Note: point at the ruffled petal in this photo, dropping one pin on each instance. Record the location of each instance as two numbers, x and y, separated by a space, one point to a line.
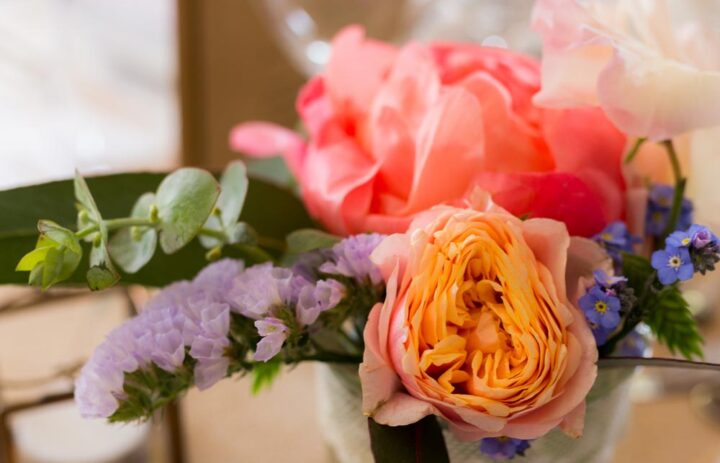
264 140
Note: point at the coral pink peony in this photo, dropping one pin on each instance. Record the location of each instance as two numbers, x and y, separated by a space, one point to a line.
393 132
480 326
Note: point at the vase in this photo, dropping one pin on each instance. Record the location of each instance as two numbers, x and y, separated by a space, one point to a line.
345 429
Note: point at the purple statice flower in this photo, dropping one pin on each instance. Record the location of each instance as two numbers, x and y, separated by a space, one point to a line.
274 333
153 336
315 299
263 287
616 239
660 201
307 264
216 280
210 344
351 258
184 315
503 448
672 264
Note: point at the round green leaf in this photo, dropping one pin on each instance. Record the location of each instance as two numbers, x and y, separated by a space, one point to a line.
133 247
184 201
234 186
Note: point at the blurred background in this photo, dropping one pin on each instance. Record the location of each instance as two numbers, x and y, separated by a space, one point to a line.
104 86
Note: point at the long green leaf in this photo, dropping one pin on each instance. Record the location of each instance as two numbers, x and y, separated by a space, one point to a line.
421 442
272 211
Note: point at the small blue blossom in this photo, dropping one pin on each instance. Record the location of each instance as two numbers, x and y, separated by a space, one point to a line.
503 448
658 212
601 308
616 239
606 281
633 345
701 237
673 264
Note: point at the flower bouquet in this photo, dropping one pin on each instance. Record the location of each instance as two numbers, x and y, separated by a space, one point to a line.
479 254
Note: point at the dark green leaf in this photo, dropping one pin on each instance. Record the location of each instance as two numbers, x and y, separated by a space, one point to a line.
672 322
637 270
184 200
264 373
308 240
421 442
273 212
132 248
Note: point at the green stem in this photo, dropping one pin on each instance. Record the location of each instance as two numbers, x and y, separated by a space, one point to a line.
114 224
679 189
634 150
217 234
271 243
89 230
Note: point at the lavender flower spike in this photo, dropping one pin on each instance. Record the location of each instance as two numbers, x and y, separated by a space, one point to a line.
315 299
261 288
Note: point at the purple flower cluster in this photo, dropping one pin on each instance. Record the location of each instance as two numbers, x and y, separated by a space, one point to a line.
193 318
351 258
186 316
280 301
503 448
616 239
686 252
603 303
658 212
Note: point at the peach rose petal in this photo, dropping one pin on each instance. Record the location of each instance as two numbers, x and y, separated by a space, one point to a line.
263 140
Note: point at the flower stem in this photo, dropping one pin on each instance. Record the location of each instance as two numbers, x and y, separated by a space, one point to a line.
680 183
331 357
634 150
114 224
217 234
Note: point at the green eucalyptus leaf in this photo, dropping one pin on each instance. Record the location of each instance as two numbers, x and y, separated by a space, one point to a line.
233 190
56 256
133 247
309 239
184 201
102 273
273 212
85 198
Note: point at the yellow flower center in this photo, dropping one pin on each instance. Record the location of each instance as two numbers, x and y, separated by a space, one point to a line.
606 236
601 307
685 241
484 318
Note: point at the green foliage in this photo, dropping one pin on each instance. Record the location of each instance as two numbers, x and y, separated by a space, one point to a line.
671 320
55 257
150 389
234 187
273 211
133 247
102 273
638 271
184 201
309 239
420 442
264 373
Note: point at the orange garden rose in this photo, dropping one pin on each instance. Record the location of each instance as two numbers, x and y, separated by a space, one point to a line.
480 326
